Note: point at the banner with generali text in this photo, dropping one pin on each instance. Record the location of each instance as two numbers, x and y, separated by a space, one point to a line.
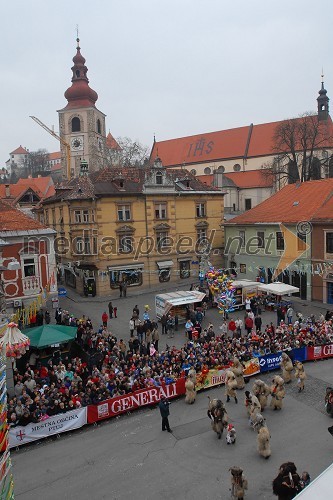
319 352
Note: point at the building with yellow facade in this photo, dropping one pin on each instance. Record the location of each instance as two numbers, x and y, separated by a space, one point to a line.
142 226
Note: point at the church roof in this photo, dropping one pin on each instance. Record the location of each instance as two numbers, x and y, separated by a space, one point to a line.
111 142
19 151
242 142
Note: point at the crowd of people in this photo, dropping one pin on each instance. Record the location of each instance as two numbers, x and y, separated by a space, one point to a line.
110 366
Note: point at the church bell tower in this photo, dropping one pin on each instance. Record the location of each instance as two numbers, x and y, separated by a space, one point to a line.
81 124
323 100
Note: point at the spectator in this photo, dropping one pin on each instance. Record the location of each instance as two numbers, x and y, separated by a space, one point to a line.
105 319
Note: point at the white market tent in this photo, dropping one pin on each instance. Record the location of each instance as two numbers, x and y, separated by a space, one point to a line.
181 298
244 283
319 488
278 288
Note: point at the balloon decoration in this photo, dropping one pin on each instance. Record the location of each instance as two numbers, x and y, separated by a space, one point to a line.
13 343
222 289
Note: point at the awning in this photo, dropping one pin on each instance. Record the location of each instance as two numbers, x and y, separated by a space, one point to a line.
165 264
278 288
180 298
48 335
244 283
126 268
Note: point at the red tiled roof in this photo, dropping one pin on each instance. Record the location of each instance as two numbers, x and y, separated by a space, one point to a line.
56 167
206 179
42 186
249 141
19 151
293 203
111 142
12 219
325 212
55 156
251 178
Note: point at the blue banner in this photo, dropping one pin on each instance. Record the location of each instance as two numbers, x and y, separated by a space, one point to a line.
299 354
270 362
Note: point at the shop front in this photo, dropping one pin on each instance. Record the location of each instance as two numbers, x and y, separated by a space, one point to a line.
164 270
132 274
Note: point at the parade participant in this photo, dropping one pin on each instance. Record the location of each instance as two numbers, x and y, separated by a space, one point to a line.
237 368
263 440
287 483
277 392
238 483
190 394
218 416
300 375
165 412
231 434
262 391
230 386
286 367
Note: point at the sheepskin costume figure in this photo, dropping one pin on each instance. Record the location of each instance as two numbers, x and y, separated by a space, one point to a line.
237 368
286 366
231 434
238 483
230 386
190 391
252 405
263 442
192 374
262 391
277 392
300 375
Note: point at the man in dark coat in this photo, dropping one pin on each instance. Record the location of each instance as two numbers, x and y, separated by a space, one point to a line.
164 410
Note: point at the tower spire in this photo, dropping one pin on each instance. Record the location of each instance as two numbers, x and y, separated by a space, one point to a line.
323 101
80 94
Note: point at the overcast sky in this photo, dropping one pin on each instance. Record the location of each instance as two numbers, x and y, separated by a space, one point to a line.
169 67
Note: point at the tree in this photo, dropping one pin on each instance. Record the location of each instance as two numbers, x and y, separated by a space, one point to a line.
130 154
301 149
38 162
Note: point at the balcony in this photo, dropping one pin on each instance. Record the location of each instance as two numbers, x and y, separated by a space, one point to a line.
31 285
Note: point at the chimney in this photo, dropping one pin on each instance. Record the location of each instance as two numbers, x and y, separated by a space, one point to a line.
7 190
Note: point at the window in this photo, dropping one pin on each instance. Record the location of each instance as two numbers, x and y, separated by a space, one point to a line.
242 238
184 269
329 242
193 171
125 243
79 245
201 235
162 239
201 209
76 125
159 178
301 241
53 217
160 211
98 126
242 268
237 167
85 215
29 268
279 240
46 217
207 171
124 212
77 216
261 239
221 169
248 203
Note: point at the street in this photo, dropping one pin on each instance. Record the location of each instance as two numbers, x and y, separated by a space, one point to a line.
130 457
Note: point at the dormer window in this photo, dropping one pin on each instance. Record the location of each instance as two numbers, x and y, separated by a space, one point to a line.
121 184
187 184
159 178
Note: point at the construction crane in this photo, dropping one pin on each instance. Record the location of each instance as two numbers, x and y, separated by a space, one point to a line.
67 146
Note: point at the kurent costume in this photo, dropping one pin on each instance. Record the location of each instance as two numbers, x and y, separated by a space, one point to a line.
277 392
190 391
300 375
231 434
230 386
262 391
238 483
287 483
254 406
218 415
237 368
263 437
286 367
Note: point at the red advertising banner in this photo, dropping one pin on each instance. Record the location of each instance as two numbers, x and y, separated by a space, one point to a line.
143 397
319 352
